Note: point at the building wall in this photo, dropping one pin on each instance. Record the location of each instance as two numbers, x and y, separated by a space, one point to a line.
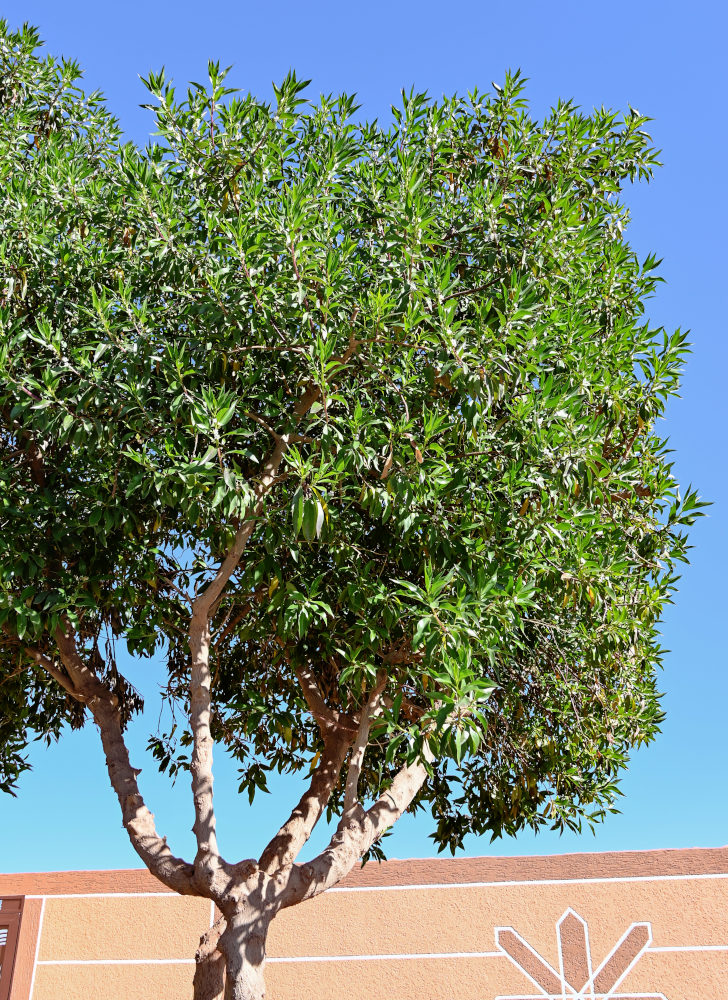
627 926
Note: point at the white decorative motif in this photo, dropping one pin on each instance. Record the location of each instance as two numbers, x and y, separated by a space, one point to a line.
575 978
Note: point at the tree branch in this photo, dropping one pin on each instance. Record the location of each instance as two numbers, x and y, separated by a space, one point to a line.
268 476
369 713
201 762
137 819
285 847
85 682
326 718
338 731
470 291
396 800
207 860
264 424
50 667
355 835
401 653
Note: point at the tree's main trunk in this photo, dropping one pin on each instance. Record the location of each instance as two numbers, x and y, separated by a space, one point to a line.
243 945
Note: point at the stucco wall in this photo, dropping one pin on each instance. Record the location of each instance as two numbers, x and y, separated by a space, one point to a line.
584 927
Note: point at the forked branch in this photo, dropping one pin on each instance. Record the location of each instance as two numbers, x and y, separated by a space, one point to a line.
356 834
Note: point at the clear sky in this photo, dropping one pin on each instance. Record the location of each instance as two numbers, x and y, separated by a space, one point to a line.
667 59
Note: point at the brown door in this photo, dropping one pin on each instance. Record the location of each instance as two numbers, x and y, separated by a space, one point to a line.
11 907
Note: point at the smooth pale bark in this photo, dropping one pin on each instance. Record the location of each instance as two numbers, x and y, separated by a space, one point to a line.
208 863
250 894
201 761
370 711
327 718
243 942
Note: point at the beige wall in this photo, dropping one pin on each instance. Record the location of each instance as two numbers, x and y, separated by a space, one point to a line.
433 930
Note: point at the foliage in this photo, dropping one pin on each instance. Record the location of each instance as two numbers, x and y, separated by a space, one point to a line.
477 502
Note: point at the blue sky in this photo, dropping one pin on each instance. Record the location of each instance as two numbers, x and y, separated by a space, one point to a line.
664 58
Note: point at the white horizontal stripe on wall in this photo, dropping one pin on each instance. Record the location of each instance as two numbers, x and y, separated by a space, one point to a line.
521 882
118 961
597 996
513 883
691 947
107 895
388 958
444 955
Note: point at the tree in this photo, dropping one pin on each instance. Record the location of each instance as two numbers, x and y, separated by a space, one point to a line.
353 423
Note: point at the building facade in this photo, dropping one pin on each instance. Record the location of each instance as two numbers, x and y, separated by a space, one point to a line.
630 926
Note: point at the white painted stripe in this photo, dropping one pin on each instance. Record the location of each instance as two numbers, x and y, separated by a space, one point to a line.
524 944
635 959
597 996
444 955
37 950
517 883
460 954
512 883
118 961
387 958
691 947
302 958
105 895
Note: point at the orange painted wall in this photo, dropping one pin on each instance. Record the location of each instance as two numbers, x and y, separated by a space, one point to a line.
471 929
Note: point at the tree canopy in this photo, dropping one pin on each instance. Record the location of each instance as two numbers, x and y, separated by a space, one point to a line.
353 423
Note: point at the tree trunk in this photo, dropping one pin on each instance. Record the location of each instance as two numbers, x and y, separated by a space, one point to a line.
209 981
243 945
